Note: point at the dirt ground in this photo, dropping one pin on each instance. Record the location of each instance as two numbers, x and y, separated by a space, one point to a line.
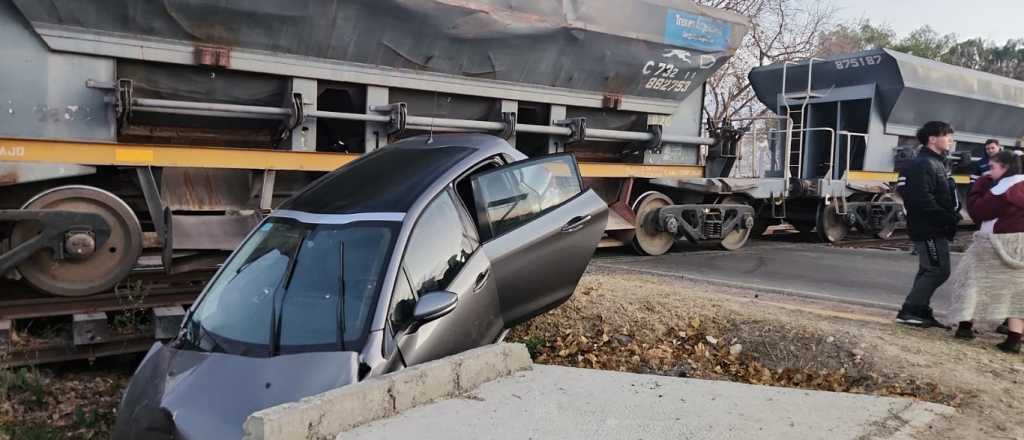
75 400
621 320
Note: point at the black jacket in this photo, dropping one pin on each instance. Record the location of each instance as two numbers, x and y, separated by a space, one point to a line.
983 166
929 194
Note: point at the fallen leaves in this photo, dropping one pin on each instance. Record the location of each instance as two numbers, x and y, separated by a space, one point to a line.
36 403
645 339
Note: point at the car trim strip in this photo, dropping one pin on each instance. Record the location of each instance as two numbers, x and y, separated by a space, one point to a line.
339 219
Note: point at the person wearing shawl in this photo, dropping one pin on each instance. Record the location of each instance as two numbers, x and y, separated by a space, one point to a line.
989 281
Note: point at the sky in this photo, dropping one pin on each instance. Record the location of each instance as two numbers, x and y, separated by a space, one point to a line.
997 20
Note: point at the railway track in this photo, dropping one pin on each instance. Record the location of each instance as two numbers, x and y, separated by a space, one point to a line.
899 242
39 329
110 302
895 243
903 243
61 351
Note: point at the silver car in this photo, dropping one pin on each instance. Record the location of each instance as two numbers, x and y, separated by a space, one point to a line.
421 249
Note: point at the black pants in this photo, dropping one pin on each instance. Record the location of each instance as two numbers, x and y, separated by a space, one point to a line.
934 270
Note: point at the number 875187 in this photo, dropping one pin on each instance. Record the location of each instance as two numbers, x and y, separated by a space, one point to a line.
853 63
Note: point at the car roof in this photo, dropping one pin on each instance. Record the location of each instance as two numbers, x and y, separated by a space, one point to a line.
393 178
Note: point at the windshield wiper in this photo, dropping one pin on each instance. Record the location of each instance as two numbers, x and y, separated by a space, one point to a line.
275 324
195 339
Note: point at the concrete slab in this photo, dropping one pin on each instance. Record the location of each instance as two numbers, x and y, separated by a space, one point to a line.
324 415
90 328
859 276
167 321
568 403
5 333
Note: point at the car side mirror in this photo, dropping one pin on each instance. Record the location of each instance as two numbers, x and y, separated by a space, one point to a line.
434 305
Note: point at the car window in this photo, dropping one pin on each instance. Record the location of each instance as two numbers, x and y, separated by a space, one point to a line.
246 286
310 308
298 265
513 195
402 304
464 187
470 233
439 246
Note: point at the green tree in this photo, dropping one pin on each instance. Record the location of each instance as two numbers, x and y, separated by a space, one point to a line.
926 43
972 54
1007 60
846 38
975 53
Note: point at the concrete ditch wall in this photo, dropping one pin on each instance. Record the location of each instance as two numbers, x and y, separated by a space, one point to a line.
324 416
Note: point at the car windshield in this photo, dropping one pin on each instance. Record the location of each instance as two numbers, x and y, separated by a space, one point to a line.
281 291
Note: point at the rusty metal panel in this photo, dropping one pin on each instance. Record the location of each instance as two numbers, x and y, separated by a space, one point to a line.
207 189
211 232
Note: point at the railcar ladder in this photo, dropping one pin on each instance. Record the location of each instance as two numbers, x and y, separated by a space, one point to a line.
797 116
796 142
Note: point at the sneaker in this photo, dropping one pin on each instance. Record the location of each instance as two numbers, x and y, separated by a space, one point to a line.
907 318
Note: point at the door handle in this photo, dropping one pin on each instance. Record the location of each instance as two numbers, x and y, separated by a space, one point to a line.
576 223
481 280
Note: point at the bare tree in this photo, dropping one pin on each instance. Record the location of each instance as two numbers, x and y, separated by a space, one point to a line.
783 30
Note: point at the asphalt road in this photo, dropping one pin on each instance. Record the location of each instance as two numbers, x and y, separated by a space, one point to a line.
871 276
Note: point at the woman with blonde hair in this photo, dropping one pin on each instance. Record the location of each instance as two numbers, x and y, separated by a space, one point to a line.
989 281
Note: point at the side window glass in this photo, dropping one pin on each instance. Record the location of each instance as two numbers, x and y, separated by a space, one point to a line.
470 236
513 195
438 247
464 187
402 303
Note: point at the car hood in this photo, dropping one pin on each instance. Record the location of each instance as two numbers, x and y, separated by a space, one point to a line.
183 394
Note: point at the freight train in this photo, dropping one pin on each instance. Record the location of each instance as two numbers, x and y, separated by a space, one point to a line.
854 118
142 136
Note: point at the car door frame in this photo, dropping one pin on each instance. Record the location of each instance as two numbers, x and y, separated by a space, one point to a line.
571 229
473 281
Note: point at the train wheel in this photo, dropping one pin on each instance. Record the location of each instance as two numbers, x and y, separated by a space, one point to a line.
887 229
739 236
830 225
647 239
94 268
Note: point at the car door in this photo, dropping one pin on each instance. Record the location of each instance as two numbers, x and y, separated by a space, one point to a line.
540 229
443 254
